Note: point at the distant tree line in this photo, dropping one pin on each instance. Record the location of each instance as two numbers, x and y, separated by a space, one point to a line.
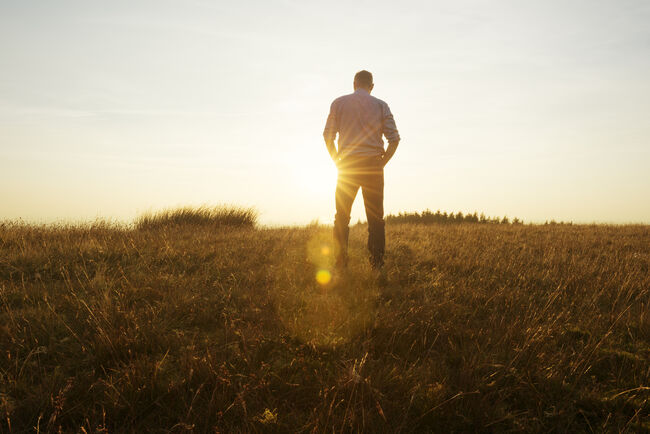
428 217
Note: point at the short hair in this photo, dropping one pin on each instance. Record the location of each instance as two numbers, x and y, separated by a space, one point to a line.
363 78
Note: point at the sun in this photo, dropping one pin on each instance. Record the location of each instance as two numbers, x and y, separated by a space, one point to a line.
314 172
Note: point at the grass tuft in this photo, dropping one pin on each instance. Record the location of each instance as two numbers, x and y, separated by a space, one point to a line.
203 216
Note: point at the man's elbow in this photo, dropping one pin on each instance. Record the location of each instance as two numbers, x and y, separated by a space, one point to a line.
329 137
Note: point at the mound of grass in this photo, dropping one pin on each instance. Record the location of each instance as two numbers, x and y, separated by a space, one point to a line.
203 216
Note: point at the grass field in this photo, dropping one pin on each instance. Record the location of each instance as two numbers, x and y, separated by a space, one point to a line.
218 328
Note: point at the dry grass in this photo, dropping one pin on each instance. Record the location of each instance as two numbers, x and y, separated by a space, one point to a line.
218 328
205 216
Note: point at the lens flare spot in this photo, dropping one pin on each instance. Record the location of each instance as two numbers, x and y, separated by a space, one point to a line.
323 277
325 251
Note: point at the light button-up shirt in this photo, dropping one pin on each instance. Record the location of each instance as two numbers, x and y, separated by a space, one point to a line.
360 120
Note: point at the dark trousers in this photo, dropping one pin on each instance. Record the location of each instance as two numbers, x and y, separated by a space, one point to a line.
366 173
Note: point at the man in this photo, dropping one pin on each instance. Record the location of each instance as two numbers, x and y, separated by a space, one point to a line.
360 121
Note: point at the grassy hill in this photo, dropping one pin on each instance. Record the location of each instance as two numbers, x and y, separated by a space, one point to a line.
174 327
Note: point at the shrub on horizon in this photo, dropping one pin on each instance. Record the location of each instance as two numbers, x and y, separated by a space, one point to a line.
203 216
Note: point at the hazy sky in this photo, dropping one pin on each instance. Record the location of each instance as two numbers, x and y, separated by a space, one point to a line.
532 109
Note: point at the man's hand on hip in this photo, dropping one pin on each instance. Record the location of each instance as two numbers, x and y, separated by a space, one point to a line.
334 155
388 154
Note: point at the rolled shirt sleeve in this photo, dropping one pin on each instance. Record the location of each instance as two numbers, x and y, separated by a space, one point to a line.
389 129
331 126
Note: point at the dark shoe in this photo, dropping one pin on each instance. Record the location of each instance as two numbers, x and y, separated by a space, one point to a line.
377 263
380 276
341 263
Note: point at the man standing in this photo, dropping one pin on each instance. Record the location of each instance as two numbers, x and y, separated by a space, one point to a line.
360 121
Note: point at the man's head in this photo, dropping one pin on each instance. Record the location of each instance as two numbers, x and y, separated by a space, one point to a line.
363 80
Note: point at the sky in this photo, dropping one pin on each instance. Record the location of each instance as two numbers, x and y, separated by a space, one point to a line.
530 109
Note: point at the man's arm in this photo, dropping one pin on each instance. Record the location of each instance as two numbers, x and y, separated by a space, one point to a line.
390 151
389 129
331 148
329 134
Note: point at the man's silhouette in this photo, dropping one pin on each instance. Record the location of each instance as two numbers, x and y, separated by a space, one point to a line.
360 121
